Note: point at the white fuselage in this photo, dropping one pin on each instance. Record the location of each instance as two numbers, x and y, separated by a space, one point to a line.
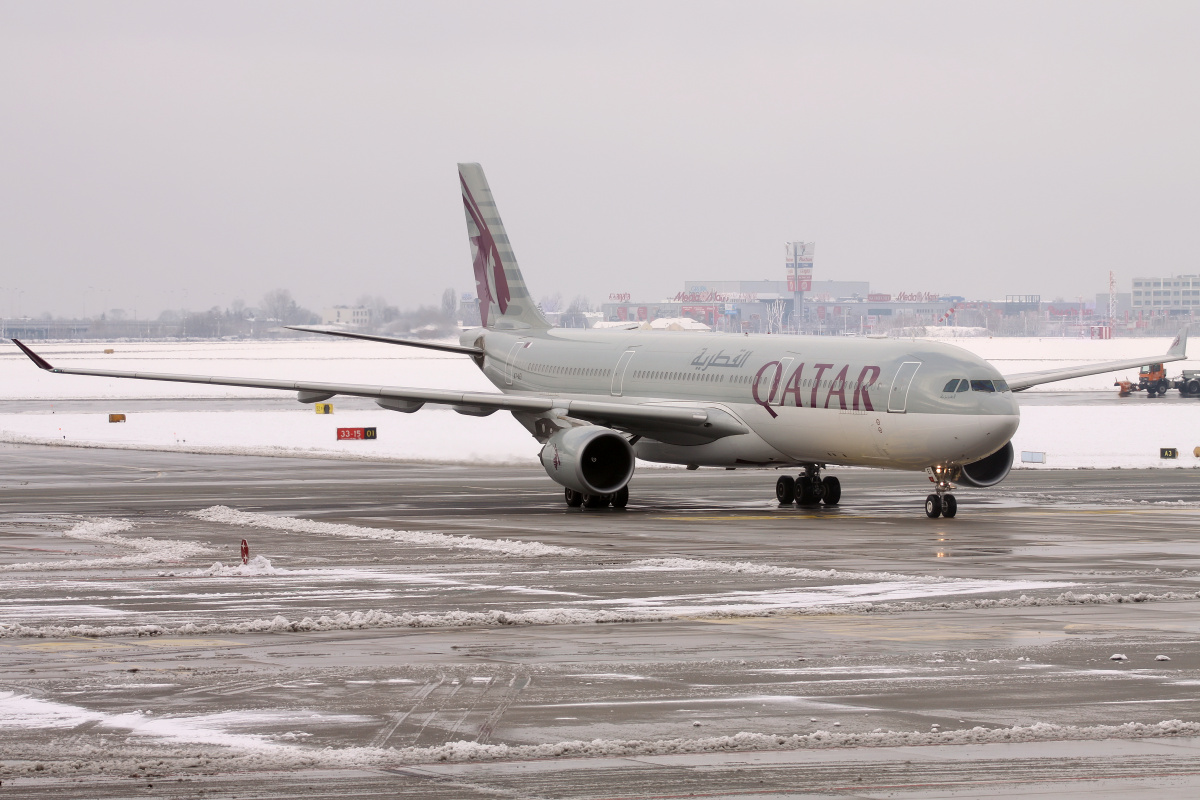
849 401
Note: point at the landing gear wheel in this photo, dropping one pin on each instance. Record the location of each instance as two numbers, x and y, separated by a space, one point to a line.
574 498
949 506
620 499
785 490
833 490
595 500
805 496
933 506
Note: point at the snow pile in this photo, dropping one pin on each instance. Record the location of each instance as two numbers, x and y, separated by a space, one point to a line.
1038 732
205 743
212 729
343 621
505 547
259 565
944 332
749 568
374 618
103 531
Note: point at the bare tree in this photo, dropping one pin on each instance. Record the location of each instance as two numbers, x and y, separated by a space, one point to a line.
450 304
574 317
278 304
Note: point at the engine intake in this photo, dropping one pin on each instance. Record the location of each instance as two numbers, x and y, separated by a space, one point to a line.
590 459
988 471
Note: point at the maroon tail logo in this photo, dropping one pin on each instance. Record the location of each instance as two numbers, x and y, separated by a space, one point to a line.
487 256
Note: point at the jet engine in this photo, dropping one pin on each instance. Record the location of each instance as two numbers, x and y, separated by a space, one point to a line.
988 471
591 459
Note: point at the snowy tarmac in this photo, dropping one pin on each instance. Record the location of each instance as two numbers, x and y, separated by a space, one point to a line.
442 631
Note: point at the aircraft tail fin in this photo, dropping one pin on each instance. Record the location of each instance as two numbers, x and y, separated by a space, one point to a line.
504 300
1179 346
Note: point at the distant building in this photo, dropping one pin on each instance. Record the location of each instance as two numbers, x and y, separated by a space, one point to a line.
356 316
1176 294
1124 305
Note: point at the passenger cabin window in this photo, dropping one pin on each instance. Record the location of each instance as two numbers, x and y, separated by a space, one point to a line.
982 386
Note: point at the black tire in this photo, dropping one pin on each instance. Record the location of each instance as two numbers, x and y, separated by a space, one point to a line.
949 506
805 496
933 506
595 500
1151 391
1193 387
833 490
785 490
1163 385
574 498
620 498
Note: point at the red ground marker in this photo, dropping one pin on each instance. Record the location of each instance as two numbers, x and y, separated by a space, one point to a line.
245 552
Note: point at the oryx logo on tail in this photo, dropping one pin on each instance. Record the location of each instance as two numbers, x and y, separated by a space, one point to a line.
487 259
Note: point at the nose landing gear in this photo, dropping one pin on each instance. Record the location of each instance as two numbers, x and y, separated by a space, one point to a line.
808 488
941 503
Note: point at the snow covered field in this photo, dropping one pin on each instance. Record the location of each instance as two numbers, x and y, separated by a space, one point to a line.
1126 433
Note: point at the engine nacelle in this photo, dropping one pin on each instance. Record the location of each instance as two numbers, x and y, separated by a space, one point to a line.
988 471
589 459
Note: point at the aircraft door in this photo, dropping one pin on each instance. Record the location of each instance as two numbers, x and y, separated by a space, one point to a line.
898 396
618 379
512 361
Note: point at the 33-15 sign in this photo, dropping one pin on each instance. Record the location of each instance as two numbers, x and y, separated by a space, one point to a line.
355 433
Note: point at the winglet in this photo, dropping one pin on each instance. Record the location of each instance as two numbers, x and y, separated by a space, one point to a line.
1179 346
34 357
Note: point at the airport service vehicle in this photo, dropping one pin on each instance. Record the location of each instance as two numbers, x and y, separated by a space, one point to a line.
1153 380
597 400
1188 384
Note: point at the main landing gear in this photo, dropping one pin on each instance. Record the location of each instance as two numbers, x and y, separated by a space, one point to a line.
941 503
808 488
618 499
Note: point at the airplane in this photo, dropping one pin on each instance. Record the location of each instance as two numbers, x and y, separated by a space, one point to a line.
597 400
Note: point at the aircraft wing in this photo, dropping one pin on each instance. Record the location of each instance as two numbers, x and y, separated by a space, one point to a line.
445 348
674 424
1177 352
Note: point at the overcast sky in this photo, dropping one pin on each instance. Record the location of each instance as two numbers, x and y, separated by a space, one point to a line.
187 154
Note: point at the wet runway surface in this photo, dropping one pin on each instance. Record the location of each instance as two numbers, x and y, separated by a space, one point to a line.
458 632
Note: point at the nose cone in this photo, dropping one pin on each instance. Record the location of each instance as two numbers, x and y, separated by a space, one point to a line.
997 429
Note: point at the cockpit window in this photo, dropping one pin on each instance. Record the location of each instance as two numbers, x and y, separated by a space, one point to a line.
952 386
963 385
982 386
1001 386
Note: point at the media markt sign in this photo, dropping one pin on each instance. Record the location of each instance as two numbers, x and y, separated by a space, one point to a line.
799 265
